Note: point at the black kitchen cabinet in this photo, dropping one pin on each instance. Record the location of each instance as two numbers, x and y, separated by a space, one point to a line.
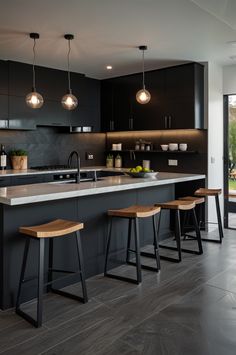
25 180
20 78
52 114
177 100
3 107
5 181
86 116
4 77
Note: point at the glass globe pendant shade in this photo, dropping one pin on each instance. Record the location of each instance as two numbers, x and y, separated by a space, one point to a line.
143 96
34 100
69 101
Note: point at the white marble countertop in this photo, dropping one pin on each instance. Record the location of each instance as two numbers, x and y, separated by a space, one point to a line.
11 172
19 195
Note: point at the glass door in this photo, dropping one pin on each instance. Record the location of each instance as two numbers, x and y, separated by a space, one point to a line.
230 161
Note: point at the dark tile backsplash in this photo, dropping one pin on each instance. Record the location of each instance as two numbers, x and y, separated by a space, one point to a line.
48 145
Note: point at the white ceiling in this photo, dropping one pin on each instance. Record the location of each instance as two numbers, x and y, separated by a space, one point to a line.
108 32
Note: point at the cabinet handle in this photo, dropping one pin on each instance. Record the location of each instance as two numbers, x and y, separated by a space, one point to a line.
131 123
111 125
169 122
165 118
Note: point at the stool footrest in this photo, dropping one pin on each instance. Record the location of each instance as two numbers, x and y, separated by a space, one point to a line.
167 258
145 267
122 278
69 295
182 249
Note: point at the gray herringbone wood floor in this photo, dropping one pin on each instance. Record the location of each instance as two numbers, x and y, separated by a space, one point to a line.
188 308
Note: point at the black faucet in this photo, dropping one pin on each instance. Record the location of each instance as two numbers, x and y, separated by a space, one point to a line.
77 176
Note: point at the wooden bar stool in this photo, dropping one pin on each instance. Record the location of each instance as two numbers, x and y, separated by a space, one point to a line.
198 202
202 192
133 214
178 206
56 228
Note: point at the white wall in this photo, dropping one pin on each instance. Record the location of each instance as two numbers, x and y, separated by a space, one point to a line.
229 79
215 134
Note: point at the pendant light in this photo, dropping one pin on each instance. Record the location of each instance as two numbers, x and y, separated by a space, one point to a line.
34 99
69 101
143 96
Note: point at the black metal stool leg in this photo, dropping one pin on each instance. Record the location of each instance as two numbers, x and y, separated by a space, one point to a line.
178 241
178 233
108 246
22 275
40 283
129 240
198 233
137 248
81 266
50 263
156 242
221 234
183 225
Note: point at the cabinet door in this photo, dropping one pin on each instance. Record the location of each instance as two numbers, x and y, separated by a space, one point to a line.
5 181
52 114
151 115
179 82
121 105
85 116
87 90
20 79
107 106
19 110
3 107
51 83
25 180
181 114
4 77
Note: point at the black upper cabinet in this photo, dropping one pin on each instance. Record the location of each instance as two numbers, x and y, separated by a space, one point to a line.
3 107
52 84
4 77
177 99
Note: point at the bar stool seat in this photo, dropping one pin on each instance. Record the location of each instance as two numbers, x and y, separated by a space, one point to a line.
177 206
133 214
207 192
196 200
56 228
135 211
203 192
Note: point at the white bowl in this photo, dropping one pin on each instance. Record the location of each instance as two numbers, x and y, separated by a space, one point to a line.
173 146
164 147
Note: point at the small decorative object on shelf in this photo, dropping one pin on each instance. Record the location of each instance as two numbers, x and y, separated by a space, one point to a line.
3 156
109 161
19 159
183 147
118 161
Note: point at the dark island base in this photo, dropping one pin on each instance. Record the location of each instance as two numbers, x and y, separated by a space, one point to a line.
92 211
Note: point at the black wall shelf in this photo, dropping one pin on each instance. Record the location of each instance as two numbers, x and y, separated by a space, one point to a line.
154 151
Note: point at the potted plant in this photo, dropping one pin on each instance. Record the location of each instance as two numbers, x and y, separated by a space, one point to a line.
109 161
19 159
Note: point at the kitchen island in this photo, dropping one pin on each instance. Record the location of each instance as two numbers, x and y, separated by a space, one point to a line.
87 202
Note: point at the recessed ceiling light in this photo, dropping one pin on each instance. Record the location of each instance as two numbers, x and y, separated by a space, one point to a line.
109 67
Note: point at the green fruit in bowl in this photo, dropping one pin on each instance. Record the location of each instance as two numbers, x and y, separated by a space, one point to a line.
146 170
138 168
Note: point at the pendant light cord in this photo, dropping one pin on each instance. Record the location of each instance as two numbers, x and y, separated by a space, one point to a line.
34 56
143 72
68 65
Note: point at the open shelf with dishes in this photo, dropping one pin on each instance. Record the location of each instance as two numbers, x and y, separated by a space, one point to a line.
152 151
